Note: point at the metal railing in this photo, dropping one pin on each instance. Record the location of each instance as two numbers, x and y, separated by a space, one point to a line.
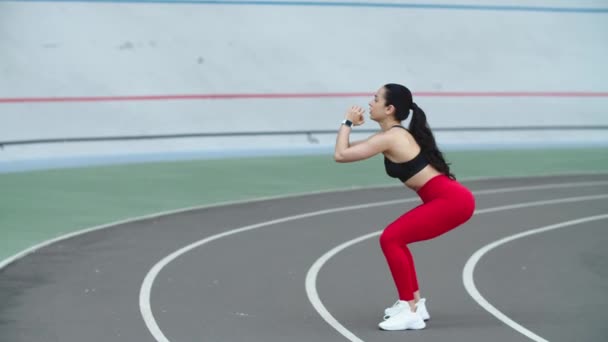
308 133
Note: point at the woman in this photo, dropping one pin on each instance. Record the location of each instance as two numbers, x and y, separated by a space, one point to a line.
412 156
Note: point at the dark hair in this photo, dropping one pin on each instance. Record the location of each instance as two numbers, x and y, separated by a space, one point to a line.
401 98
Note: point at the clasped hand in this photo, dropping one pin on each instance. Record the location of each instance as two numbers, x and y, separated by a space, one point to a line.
355 115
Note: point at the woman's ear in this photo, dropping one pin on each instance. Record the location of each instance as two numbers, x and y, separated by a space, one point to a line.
390 109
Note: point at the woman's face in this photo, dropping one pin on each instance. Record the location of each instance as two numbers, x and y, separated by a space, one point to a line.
377 107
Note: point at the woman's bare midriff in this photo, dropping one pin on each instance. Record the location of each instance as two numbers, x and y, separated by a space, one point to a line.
418 180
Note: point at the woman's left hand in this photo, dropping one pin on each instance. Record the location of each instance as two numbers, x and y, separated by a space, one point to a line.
355 115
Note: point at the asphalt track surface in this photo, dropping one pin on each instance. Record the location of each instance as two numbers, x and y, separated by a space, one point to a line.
309 268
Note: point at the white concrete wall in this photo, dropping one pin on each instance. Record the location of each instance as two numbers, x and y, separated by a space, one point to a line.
57 49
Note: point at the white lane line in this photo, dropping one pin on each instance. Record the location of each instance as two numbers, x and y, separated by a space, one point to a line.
7 261
146 287
311 276
469 268
48 242
313 295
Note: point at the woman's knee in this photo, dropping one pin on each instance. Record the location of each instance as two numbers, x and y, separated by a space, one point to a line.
387 239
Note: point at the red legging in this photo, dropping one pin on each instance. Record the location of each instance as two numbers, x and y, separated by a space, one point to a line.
446 205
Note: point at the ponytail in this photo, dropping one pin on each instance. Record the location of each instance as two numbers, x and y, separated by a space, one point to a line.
424 137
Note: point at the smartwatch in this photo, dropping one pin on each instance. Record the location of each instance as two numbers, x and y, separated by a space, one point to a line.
347 123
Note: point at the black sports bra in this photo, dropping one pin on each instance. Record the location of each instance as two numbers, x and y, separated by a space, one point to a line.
406 170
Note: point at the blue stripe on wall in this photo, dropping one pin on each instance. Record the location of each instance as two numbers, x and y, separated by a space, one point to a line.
464 7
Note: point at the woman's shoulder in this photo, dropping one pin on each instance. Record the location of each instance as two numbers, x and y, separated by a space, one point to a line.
399 131
401 137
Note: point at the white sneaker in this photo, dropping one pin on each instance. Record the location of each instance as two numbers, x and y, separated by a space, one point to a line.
395 309
401 304
421 309
404 320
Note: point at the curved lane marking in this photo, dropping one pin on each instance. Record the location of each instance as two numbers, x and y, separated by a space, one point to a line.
469 268
146 287
23 253
311 276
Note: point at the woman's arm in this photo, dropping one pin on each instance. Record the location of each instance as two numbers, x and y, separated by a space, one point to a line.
355 143
345 152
